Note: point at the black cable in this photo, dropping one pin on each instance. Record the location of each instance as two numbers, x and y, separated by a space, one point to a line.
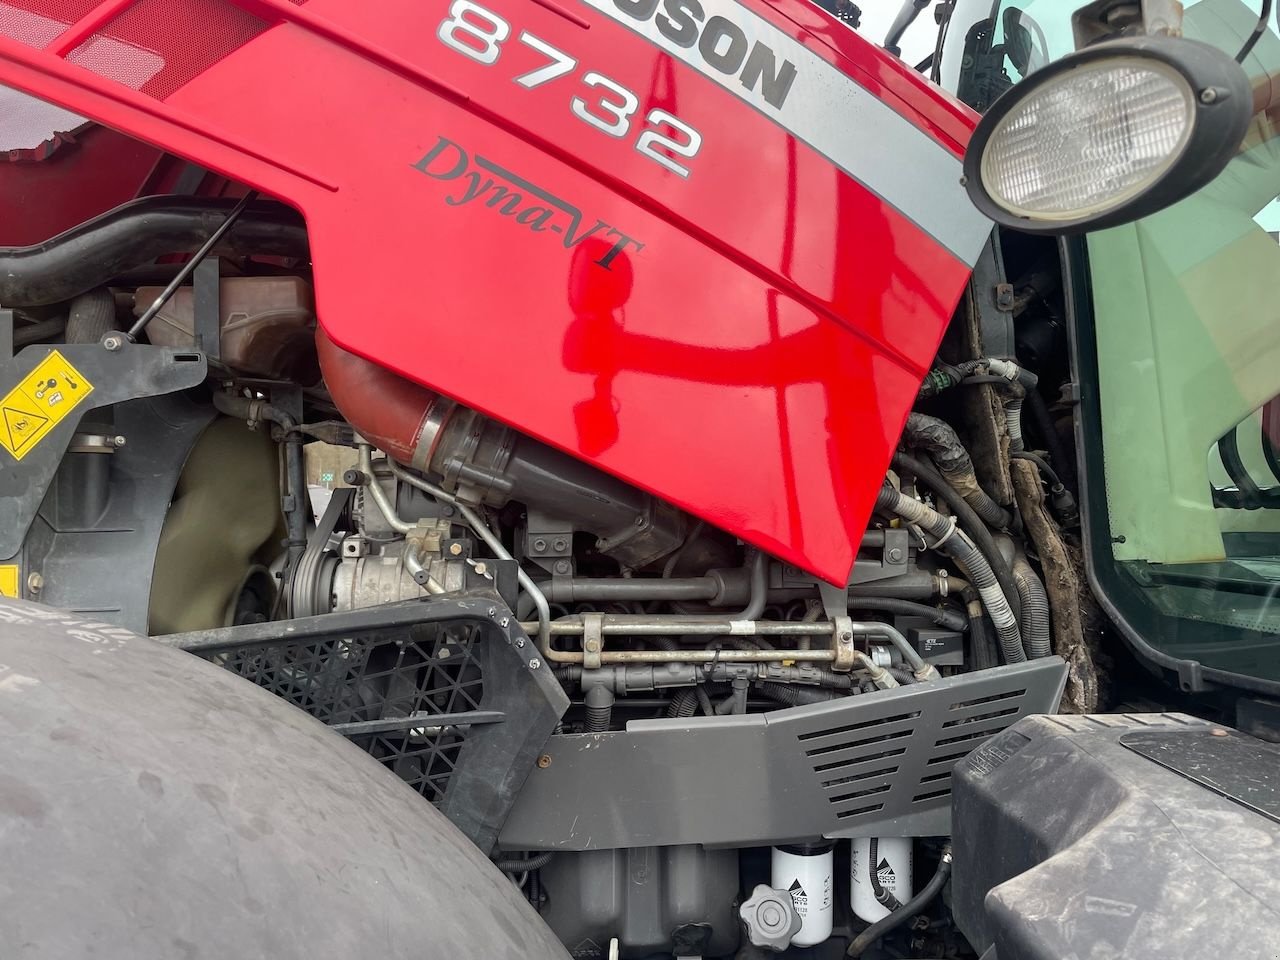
883 897
969 522
1043 467
912 907
1259 29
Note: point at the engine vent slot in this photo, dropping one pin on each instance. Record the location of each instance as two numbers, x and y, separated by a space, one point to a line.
855 766
158 46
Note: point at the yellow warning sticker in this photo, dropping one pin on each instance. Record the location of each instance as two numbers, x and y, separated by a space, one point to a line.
9 580
39 403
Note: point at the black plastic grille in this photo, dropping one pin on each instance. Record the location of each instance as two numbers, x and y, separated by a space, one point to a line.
348 681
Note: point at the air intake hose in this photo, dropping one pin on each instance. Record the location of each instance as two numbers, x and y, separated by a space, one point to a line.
91 254
482 461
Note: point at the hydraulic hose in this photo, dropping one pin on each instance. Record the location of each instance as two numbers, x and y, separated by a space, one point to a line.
970 523
955 544
939 439
1035 610
91 254
938 615
908 910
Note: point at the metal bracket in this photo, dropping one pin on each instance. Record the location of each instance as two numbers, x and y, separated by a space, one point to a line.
1115 18
842 644
207 299
592 640
118 370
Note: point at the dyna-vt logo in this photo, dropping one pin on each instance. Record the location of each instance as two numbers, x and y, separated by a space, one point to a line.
482 182
721 44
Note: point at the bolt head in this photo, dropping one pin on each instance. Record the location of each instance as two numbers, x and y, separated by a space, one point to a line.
539 545
455 549
118 441
1218 732
35 583
544 761
1208 95
560 545
593 645
535 663
519 641
562 566
112 342
895 555
493 611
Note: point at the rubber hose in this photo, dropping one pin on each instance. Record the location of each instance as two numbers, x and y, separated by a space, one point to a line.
704 701
796 696
1035 610
955 544
599 703
969 522
94 252
939 438
521 866
938 615
982 651
908 910
91 317
1063 462
883 897
30 333
903 676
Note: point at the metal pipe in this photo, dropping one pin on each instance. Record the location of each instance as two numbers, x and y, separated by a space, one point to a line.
922 670
574 589
484 533
379 496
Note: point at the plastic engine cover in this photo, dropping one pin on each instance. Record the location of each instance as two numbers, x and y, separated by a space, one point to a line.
707 245
1130 836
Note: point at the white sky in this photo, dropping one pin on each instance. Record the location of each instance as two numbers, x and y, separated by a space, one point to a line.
918 43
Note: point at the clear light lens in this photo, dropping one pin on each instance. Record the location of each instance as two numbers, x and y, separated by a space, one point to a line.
1088 140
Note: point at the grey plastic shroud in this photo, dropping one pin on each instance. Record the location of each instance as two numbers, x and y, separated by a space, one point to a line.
876 764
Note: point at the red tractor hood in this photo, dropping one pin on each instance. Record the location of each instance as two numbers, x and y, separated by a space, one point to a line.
707 245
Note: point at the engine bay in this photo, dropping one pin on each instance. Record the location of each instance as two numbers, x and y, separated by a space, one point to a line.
597 657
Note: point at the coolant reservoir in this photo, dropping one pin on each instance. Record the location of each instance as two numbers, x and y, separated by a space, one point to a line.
267 324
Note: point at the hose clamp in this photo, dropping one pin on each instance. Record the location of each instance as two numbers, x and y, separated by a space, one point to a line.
592 640
844 656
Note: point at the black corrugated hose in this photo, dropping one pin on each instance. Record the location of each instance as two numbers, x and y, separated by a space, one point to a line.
1035 610
515 865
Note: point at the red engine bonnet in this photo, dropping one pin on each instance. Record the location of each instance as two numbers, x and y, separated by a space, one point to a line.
740 329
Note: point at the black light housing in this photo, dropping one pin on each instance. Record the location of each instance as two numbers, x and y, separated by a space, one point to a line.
1108 134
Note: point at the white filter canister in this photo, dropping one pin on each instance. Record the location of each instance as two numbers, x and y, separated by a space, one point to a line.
893 870
807 872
